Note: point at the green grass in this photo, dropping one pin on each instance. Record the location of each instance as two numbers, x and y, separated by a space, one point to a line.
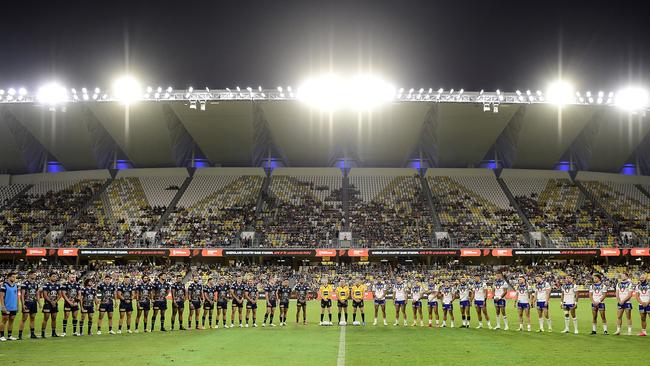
314 345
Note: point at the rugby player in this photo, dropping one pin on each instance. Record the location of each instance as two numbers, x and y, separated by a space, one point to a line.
88 302
251 295
448 294
623 296
271 295
70 293
284 294
479 298
541 299
399 298
432 302
125 294
597 295
302 290
179 295
195 294
342 296
144 296
106 291
222 301
237 293
643 297
500 291
8 306
464 301
209 297
29 295
417 292
159 291
569 304
379 296
524 293
51 294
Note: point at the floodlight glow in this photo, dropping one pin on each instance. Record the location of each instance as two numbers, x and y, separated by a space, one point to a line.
323 92
126 89
367 91
632 98
52 94
560 93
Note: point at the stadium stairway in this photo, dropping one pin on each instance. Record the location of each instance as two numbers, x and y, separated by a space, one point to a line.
84 208
17 196
595 201
172 205
264 193
515 205
643 190
434 213
345 200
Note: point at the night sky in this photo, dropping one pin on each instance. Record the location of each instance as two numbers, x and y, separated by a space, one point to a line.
450 44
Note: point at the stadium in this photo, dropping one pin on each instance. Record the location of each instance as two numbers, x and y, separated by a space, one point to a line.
343 219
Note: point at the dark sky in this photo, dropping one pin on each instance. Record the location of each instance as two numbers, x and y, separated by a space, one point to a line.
451 44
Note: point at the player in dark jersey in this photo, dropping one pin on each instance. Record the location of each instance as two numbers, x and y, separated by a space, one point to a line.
302 291
106 291
209 297
143 293
179 295
222 301
125 294
251 296
8 306
88 302
70 293
29 295
51 294
195 295
237 293
284 294
159 291
271 292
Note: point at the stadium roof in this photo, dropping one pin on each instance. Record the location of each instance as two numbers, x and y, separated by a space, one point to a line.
236 131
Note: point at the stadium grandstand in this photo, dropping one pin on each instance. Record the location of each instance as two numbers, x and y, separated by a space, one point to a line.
258 169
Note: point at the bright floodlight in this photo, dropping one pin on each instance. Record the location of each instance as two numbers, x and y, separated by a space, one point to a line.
127 89
324 92
367 91
52 94
560 92
632 98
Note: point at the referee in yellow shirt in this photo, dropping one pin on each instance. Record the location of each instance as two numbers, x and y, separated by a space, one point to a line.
325 291
358 291
343 294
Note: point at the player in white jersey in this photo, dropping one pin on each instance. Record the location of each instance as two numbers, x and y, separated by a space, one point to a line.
597 295
432 302
623 296
643 297
500 292
447 294
399 297
417 292
379 296
524 293
569 304
464 291
542 296
479 298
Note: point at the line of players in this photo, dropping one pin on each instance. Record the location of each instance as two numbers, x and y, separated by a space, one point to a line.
150 298
535 296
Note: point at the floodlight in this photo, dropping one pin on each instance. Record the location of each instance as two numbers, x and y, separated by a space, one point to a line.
12 91
126 89
193 104
52 94
190 89
22 91
367 91
325 92
202 107
560 92
632 98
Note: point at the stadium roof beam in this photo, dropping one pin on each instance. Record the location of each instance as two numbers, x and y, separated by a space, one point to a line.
106 150
35 155
184 148
265 149
504 149
579 153
426 149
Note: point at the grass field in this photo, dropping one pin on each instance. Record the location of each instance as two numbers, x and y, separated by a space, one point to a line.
369 345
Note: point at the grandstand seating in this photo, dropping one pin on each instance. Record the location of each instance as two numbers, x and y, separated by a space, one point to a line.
9 191
389 211
556 207
214 211
47 206
475 211
303 211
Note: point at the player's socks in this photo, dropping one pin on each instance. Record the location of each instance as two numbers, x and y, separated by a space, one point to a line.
65 325
629 329
541 325
74 325
20 334
354 317
202 321
2 333
593 327
254 321
266 317
505 322
605 328
330 316
468 319
346 317
575 324
271 319
321 317
90 326
162 322
339 316
42 333
498 322
549 323
363 317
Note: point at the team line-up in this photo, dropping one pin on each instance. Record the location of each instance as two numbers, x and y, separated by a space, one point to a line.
150 297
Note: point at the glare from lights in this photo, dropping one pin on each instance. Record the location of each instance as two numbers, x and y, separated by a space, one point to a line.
632 99
12 91
52 94
323 92
361 92
560 93
126 89
367 91
22 91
